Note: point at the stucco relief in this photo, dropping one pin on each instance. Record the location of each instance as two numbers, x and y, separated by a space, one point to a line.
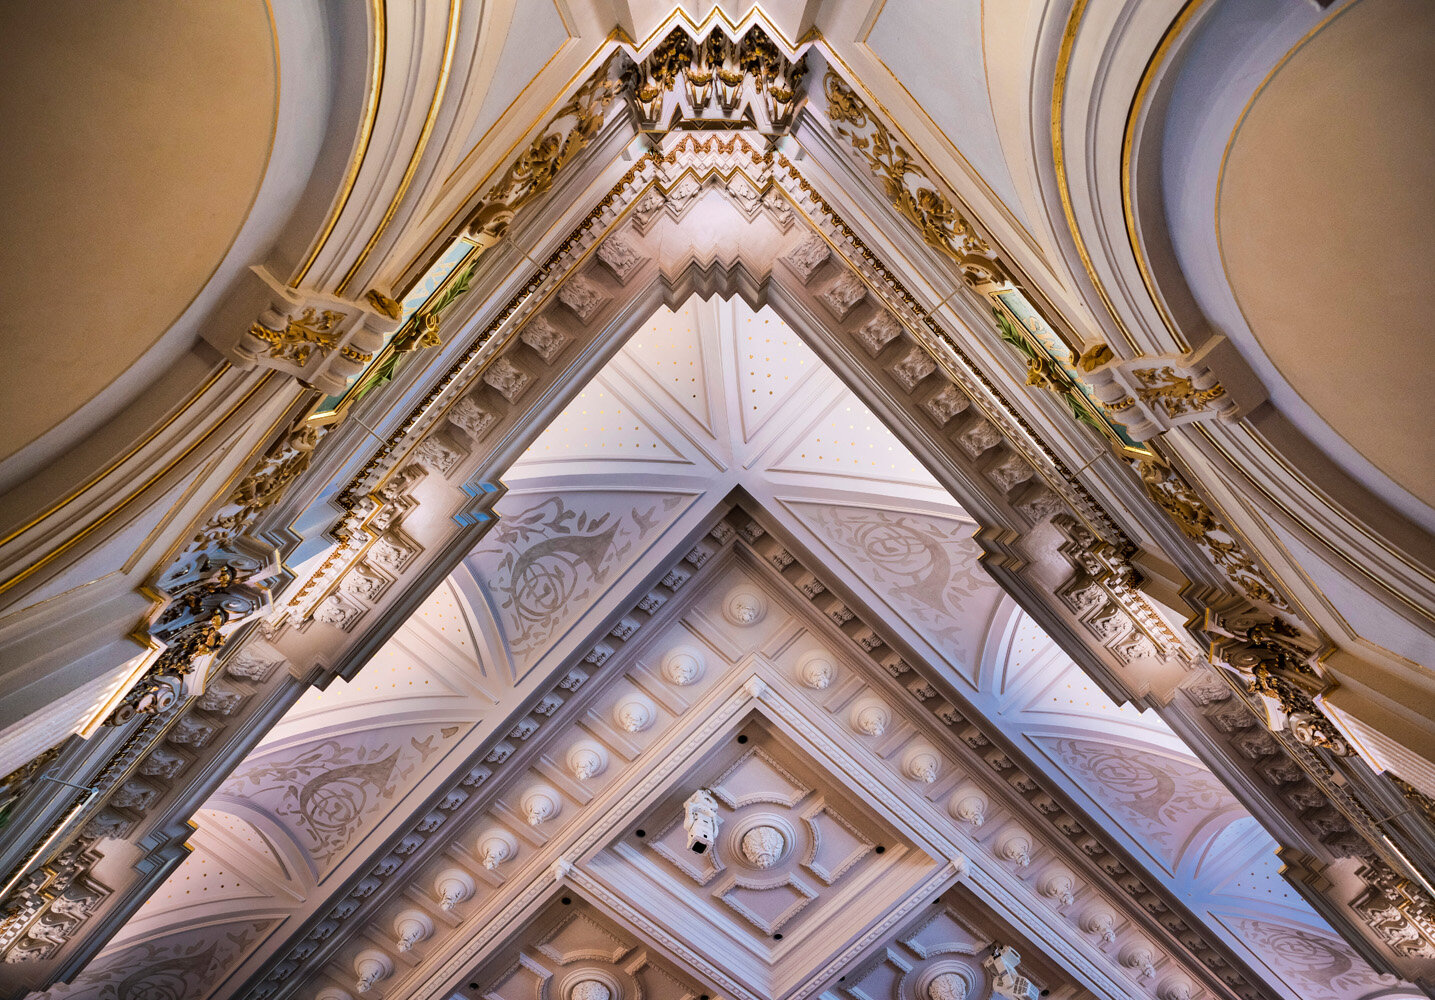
329 793
925 566
1162 800
582 958
550 555
1315 966
779 846
181 967
939 959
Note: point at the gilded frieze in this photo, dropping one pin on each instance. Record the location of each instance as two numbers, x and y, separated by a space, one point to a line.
567 134
908 187
1170 491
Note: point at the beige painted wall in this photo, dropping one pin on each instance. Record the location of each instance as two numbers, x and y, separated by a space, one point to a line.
137 134
1327 223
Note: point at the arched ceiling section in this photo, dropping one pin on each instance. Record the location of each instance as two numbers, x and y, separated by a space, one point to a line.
937 52
138 138
711 395
701 400
1293 169
1131 769
1324 216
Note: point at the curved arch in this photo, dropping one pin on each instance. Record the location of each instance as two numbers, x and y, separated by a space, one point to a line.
288 852
308 128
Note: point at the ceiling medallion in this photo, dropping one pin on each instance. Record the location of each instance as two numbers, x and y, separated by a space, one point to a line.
410 927
763 846
969 806
922 763
453 886
635 714
744 607
587 759
495 847
540 804
815 670
589 989
762 841
871 718
682 665
947 986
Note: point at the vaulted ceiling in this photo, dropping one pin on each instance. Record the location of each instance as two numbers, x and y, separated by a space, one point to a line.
863 439
749 662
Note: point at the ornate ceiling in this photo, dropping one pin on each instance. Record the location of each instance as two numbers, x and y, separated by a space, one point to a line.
743 503
796 660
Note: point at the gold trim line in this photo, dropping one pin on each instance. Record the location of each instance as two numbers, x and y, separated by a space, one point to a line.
366 133
449 45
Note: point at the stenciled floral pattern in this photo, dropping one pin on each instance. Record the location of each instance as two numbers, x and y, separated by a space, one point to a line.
181 967
1315 966
1163 800
546 559
925 566
327 792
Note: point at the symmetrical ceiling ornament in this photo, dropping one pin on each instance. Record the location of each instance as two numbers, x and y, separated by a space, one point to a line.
714 81
794 708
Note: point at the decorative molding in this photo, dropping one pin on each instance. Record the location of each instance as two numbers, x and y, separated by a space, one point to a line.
325 341
567 134
908 187
713 80
1195 519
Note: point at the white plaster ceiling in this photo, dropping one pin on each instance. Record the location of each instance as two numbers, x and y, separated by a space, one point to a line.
701 400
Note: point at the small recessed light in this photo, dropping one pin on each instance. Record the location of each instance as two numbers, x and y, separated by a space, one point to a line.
777 937
880 849
742 739
567 900
640 833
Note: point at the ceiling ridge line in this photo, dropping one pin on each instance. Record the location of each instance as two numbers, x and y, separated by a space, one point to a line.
778 562
489 757
743 690
615 805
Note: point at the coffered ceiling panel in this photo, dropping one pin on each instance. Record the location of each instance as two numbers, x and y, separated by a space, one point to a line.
845 799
